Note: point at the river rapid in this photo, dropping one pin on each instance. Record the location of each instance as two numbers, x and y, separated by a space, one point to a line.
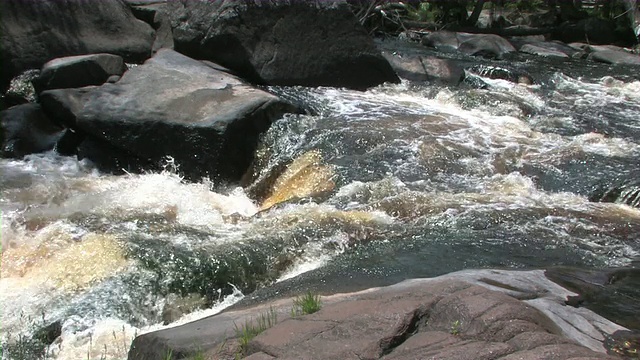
368 189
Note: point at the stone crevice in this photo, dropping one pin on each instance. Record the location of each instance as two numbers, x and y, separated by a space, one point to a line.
409 326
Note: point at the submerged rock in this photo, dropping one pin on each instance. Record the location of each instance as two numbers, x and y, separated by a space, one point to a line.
486 313
33 32
205 120
281 42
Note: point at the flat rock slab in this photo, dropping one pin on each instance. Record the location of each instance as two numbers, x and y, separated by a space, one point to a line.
540 50
616 57
207 120
479 314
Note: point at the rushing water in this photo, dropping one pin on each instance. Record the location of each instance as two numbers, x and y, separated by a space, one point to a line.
400 181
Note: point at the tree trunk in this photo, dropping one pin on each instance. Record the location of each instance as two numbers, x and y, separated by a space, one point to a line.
632 7
475 15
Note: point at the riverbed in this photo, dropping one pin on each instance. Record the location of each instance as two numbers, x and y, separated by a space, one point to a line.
366 189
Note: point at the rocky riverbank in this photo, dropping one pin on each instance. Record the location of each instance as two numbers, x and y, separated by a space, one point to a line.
472 314
132 86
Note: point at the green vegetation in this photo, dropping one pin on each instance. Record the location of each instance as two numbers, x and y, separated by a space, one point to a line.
456 326
309 303
251 329
30 345
395 16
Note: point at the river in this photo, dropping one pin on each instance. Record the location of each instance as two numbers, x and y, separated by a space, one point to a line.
368 189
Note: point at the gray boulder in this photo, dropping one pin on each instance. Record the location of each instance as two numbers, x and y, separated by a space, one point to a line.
156 14
487 45
550 49
207 120
33 32
615 56
541 51
281 42
474 314
25 129
425 68
441 40
79 71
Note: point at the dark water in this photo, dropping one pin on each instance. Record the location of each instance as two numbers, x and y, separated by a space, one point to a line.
369 189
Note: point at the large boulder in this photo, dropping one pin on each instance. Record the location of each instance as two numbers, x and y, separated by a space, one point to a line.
155 13
473 314
33 32
25 129
416 67
207 120
281 42
590 30
79 71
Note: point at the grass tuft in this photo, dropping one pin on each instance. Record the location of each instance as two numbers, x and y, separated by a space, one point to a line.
251 329
309 303
456 326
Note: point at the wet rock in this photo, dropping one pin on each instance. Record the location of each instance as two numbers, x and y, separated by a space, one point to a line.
624 343
469 314
33 32
486 45
26 129
613 293
206 120
21 90
441 40
548 49
425 68
625 192
176 306
497 72
79 71
281 42
49 333
615 56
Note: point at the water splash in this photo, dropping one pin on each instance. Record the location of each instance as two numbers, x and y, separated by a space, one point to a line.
306 176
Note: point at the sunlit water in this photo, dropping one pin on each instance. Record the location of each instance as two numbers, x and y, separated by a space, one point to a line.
396 182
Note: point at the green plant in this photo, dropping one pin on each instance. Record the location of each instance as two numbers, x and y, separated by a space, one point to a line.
309 303
455 327
30 344
169 355
199 356
251 328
